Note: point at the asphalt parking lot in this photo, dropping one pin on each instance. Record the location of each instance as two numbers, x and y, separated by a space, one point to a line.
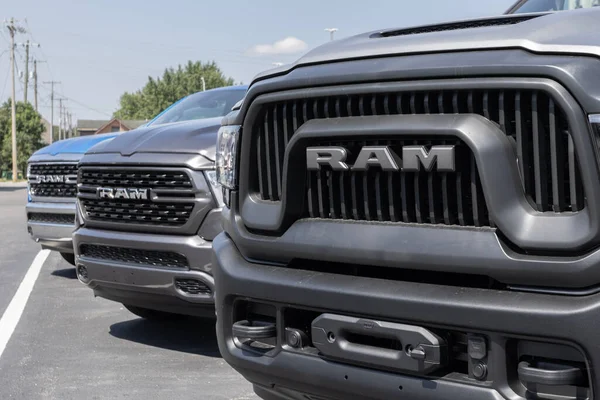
70 345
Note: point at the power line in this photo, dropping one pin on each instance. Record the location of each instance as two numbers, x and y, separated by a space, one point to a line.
84 105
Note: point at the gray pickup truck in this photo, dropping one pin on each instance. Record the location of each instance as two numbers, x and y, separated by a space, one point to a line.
149 207
414 213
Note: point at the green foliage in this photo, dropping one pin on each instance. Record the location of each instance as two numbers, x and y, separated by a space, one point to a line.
29 134
160 93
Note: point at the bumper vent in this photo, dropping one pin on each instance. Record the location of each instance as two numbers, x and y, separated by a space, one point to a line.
168 200
530 118
48 218
53 180
165 259
192 287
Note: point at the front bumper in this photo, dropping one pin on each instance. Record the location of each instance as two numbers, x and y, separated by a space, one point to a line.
53 236
504 317
148 286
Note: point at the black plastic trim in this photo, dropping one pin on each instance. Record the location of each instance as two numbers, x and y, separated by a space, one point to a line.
499 315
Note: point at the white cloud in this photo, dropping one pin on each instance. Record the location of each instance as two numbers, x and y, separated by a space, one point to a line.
289 45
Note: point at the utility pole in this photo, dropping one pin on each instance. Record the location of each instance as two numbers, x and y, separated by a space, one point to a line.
331 32
26 45
35 84
12 28
70 125
26 71
52 83
60 119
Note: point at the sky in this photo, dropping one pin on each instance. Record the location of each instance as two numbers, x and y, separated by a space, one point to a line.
99 49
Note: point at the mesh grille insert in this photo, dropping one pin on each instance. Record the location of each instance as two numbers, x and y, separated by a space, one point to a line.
48 218
167 259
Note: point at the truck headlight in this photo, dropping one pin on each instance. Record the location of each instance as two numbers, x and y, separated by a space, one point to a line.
211 177
595 121
227 142
28 185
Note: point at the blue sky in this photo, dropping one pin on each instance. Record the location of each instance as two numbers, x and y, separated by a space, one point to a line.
100 48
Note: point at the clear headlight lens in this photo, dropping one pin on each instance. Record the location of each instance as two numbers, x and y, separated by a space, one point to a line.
227 143
595 121
211 177
28 185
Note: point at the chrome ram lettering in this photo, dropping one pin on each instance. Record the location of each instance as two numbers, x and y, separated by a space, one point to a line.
122 193
413 157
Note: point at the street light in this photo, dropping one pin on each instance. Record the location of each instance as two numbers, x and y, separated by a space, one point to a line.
331 32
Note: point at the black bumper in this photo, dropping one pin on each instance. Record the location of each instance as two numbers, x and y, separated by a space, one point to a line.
501 316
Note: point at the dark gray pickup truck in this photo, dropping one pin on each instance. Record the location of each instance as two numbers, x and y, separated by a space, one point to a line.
148 208
415 214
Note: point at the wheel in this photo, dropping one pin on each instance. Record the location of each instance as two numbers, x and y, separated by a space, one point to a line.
69 257
149 314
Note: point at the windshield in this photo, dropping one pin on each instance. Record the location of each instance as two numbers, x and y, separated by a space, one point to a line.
533 6
201 105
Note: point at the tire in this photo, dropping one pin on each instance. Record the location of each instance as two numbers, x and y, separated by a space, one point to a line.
69 257
151 315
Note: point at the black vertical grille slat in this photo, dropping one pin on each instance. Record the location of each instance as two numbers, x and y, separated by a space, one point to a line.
366 196
313 198
278 151
432 194
321 193
531 120
539 150
474 198
286 127
344 200
356 196
333 200
459 199
268 154
572 172
262 179
501 111
557 161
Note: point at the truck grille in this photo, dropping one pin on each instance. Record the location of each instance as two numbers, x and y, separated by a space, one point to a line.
49 218
135 178
538 128
169 201
66 188
166 259
137 212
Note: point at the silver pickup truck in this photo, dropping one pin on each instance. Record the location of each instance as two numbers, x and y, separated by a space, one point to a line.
52 190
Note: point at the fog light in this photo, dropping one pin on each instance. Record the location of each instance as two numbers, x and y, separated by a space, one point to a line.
82 274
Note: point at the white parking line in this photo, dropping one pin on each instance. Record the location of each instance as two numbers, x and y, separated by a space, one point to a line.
13 312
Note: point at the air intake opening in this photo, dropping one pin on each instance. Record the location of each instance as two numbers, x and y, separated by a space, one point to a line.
399 274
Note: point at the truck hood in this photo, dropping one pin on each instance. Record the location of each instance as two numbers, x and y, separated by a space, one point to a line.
191 137
77 145
563 32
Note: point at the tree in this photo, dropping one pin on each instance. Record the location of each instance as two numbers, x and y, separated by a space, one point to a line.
160 93
29 134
